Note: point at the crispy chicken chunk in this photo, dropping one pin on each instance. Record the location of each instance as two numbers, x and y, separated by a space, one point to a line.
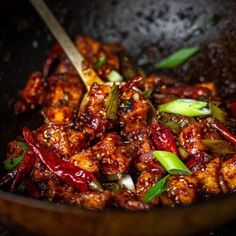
208 177
62 140
227 174
145 181
181 190
112 154
93 120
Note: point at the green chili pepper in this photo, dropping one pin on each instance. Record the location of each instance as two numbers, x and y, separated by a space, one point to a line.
11 163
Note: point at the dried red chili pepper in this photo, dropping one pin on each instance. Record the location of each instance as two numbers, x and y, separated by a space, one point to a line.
163 137
233 108
67 172
131 83
187 91
196 161
224 131
54 54
23 169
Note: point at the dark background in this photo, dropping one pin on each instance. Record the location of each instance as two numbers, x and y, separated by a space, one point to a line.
149 30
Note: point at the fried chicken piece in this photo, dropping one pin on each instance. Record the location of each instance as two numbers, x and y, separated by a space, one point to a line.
92 50
112 154
181 190
62 99
191 136
147 162
128 200
58 115
32 94
95 200
62 140
64 90
93 120
208 177
86 160
145 181
133 110
227 174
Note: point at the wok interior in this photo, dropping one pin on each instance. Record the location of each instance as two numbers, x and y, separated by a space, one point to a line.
149 30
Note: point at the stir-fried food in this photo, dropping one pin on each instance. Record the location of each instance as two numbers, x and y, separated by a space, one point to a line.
143 142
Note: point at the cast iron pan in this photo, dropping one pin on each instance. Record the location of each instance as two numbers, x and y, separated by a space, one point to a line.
149 30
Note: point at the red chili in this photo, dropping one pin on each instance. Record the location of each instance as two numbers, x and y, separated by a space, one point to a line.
163 137
233 108
224 131
131 83
23 169
187 91
196 161
54 54
67 172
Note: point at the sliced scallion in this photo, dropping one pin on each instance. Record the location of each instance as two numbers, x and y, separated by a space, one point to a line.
183 154
11 163
147 93
171 163
217 113
157 189
177 58
174 126
219 146
114 76
112 102
114 177
186 107
101 61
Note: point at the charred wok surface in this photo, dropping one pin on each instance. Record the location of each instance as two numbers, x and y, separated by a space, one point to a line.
81 156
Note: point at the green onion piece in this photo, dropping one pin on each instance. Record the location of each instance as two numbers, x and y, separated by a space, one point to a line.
112 102
101 61
141 71
147 93
114 177
171 163
174 126
157 189
11 163
177 58
217 113
128 73
114 187
114 76
186 107
219 146
183 154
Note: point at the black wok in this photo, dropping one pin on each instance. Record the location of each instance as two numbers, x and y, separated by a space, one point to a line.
149 30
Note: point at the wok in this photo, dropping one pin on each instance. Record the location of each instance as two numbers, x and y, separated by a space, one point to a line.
149 30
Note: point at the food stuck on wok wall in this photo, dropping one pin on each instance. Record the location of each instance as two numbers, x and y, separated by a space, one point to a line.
149 141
